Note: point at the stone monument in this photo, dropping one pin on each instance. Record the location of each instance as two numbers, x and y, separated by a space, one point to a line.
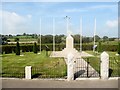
69 46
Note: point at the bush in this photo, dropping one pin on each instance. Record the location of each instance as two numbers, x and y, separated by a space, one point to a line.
17 49
58 47
119 48
35 48
99 47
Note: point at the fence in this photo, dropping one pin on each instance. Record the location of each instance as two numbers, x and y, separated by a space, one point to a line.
89 67
84 68
114 66
48 73
14 72
55 71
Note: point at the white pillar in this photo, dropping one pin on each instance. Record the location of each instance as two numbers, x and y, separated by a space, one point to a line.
53 34
70 63
104 65
94 36
28 72
40 35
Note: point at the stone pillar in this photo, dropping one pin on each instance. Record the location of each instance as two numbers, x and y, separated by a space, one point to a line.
104 65
69 42
70 63
28 72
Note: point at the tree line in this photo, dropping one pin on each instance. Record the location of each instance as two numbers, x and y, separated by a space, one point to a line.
49 38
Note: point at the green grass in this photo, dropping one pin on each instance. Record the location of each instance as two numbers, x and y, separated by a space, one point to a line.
114 62
41 64
23 40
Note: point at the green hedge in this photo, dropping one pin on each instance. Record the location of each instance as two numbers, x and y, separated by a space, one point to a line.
29 48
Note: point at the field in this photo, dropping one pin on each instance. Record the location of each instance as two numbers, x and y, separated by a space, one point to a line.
42 65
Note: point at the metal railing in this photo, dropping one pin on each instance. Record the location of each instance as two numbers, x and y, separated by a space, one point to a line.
13 72
84 69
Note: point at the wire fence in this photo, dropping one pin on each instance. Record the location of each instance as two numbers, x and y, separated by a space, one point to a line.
90 67
114 67
43 71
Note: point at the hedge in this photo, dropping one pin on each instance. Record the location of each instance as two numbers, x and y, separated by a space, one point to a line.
29 48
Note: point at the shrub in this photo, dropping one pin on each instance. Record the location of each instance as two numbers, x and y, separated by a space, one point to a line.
119 48
58 47
99 47
17 49
35 47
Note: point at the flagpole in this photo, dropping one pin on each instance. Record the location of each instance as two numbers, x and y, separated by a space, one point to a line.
53 34
94 36
40 35
67 23
81 34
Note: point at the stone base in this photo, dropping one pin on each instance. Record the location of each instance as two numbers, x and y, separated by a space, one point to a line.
66 51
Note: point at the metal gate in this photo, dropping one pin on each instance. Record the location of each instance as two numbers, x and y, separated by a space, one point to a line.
86 68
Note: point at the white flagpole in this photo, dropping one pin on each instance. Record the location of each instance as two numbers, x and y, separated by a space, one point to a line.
67 23
40 35
53 34
81 34
94 36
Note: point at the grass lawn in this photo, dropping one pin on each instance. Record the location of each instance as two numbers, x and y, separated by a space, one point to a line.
114 62
42 65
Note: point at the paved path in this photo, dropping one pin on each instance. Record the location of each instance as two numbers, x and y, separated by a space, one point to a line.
75 53
16 83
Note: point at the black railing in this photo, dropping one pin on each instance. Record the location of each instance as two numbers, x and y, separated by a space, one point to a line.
114 67
84 68
13 72
56 71
49 72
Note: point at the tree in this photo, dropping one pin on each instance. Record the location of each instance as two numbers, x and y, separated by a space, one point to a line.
97 38
105 38
17 49
3 40
24 34
99 47
76 38
119 48
16 40
35 47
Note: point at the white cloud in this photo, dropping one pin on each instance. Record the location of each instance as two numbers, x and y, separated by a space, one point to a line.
74 10
112 23
13 23
29 16
90 8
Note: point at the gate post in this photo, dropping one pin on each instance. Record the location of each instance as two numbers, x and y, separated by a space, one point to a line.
28 72
104 65
70 63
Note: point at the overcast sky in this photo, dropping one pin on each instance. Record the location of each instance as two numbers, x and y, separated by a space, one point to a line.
24 17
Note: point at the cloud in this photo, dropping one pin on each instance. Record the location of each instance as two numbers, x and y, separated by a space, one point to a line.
74 10
112 23
90 8
13 23
29 16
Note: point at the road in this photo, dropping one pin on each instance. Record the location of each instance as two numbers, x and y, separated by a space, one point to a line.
19 83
